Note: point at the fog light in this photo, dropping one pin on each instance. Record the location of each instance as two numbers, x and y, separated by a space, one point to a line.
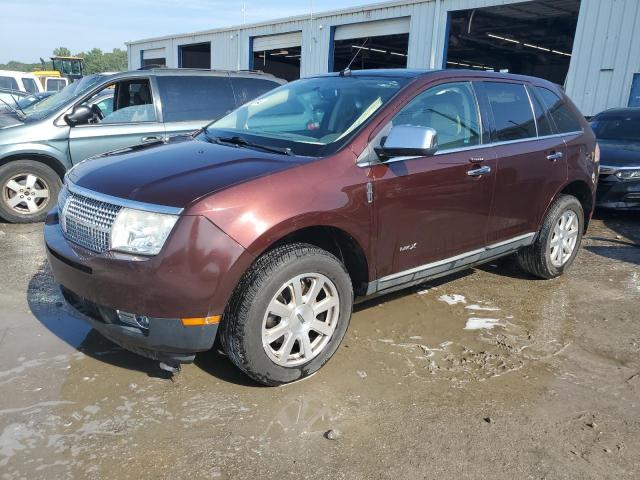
133 319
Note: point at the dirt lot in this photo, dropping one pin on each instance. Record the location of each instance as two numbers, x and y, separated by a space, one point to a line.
489 374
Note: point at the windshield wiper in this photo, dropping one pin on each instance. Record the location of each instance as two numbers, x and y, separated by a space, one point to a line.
21 116
241 142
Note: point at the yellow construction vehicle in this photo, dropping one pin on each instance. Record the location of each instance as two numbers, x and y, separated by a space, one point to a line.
64 70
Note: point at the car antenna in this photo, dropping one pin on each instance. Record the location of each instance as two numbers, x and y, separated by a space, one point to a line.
346 70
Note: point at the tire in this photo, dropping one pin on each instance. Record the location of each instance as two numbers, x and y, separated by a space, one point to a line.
247 317
538 259
21 178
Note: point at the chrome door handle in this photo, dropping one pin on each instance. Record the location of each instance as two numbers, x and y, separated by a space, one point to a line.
554 156
151 139
476 172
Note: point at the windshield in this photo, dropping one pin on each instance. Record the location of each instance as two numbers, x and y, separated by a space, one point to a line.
50 104
310 117
620 127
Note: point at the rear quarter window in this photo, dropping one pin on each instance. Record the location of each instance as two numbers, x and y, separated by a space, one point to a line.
563 118
511 108
189 98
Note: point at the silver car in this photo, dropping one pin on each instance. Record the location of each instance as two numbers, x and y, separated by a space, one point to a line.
102 113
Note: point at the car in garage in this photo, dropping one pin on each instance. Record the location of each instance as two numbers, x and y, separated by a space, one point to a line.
100 113
262 228
618 134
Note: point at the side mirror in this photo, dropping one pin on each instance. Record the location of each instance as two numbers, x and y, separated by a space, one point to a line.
80 115
408 141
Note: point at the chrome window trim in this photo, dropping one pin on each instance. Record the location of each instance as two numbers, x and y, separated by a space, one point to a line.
533 110
123 202
477 147
462 256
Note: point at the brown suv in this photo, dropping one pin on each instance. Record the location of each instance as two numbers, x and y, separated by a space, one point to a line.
262 227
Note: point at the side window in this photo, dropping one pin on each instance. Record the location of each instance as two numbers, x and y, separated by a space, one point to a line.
105 105
542 118
30 85
133 103
450 109
55 84
8 82
246 89
561 115
512 115
195 97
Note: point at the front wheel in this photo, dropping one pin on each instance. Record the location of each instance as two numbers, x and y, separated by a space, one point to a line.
288 314
558 241
29 190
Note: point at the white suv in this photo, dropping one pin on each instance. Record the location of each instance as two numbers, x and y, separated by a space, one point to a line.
21 81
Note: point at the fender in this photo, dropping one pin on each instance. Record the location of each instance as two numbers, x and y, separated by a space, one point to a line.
54 149
328 192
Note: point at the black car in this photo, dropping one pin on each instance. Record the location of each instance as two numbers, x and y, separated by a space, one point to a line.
618 133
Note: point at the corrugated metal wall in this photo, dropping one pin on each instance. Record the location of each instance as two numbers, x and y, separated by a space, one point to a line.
604 59
606 54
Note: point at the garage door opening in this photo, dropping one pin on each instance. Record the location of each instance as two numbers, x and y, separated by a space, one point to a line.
153 58
195 55
378 44
529 38
278 55
387 51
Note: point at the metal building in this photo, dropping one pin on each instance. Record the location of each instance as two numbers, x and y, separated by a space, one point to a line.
586 45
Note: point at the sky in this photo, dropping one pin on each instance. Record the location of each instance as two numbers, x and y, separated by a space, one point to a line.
32 29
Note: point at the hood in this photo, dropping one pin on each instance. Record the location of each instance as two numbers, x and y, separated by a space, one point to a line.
617 153
9 119
176 173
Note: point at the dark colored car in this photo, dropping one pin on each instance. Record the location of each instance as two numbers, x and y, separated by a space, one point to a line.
263 227
101 113
618 134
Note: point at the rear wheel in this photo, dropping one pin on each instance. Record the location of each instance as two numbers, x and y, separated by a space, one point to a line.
288 315
29 190
558 241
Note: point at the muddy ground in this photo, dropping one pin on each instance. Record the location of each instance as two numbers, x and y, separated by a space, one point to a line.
487 374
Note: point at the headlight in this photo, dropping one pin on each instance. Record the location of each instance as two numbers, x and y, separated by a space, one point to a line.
628 174
136 231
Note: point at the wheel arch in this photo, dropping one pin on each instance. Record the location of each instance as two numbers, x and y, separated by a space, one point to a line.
334 240
581 190
48 160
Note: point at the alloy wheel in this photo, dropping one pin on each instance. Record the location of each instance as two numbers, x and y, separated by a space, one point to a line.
26 193
300 319
564 238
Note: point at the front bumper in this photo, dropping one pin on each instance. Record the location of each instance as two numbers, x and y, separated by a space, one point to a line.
193 276
619 194
165 339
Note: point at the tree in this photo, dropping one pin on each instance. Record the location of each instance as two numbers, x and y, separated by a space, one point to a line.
61 52
96 61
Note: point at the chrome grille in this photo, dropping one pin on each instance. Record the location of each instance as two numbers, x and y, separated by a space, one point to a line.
86 221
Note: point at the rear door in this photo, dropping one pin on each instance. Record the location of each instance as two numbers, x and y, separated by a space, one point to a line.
133 120
190 102
531 160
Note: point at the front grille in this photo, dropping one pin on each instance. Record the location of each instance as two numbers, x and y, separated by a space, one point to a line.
87 221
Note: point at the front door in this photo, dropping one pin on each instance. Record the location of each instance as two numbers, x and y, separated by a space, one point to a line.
132 121
432 209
